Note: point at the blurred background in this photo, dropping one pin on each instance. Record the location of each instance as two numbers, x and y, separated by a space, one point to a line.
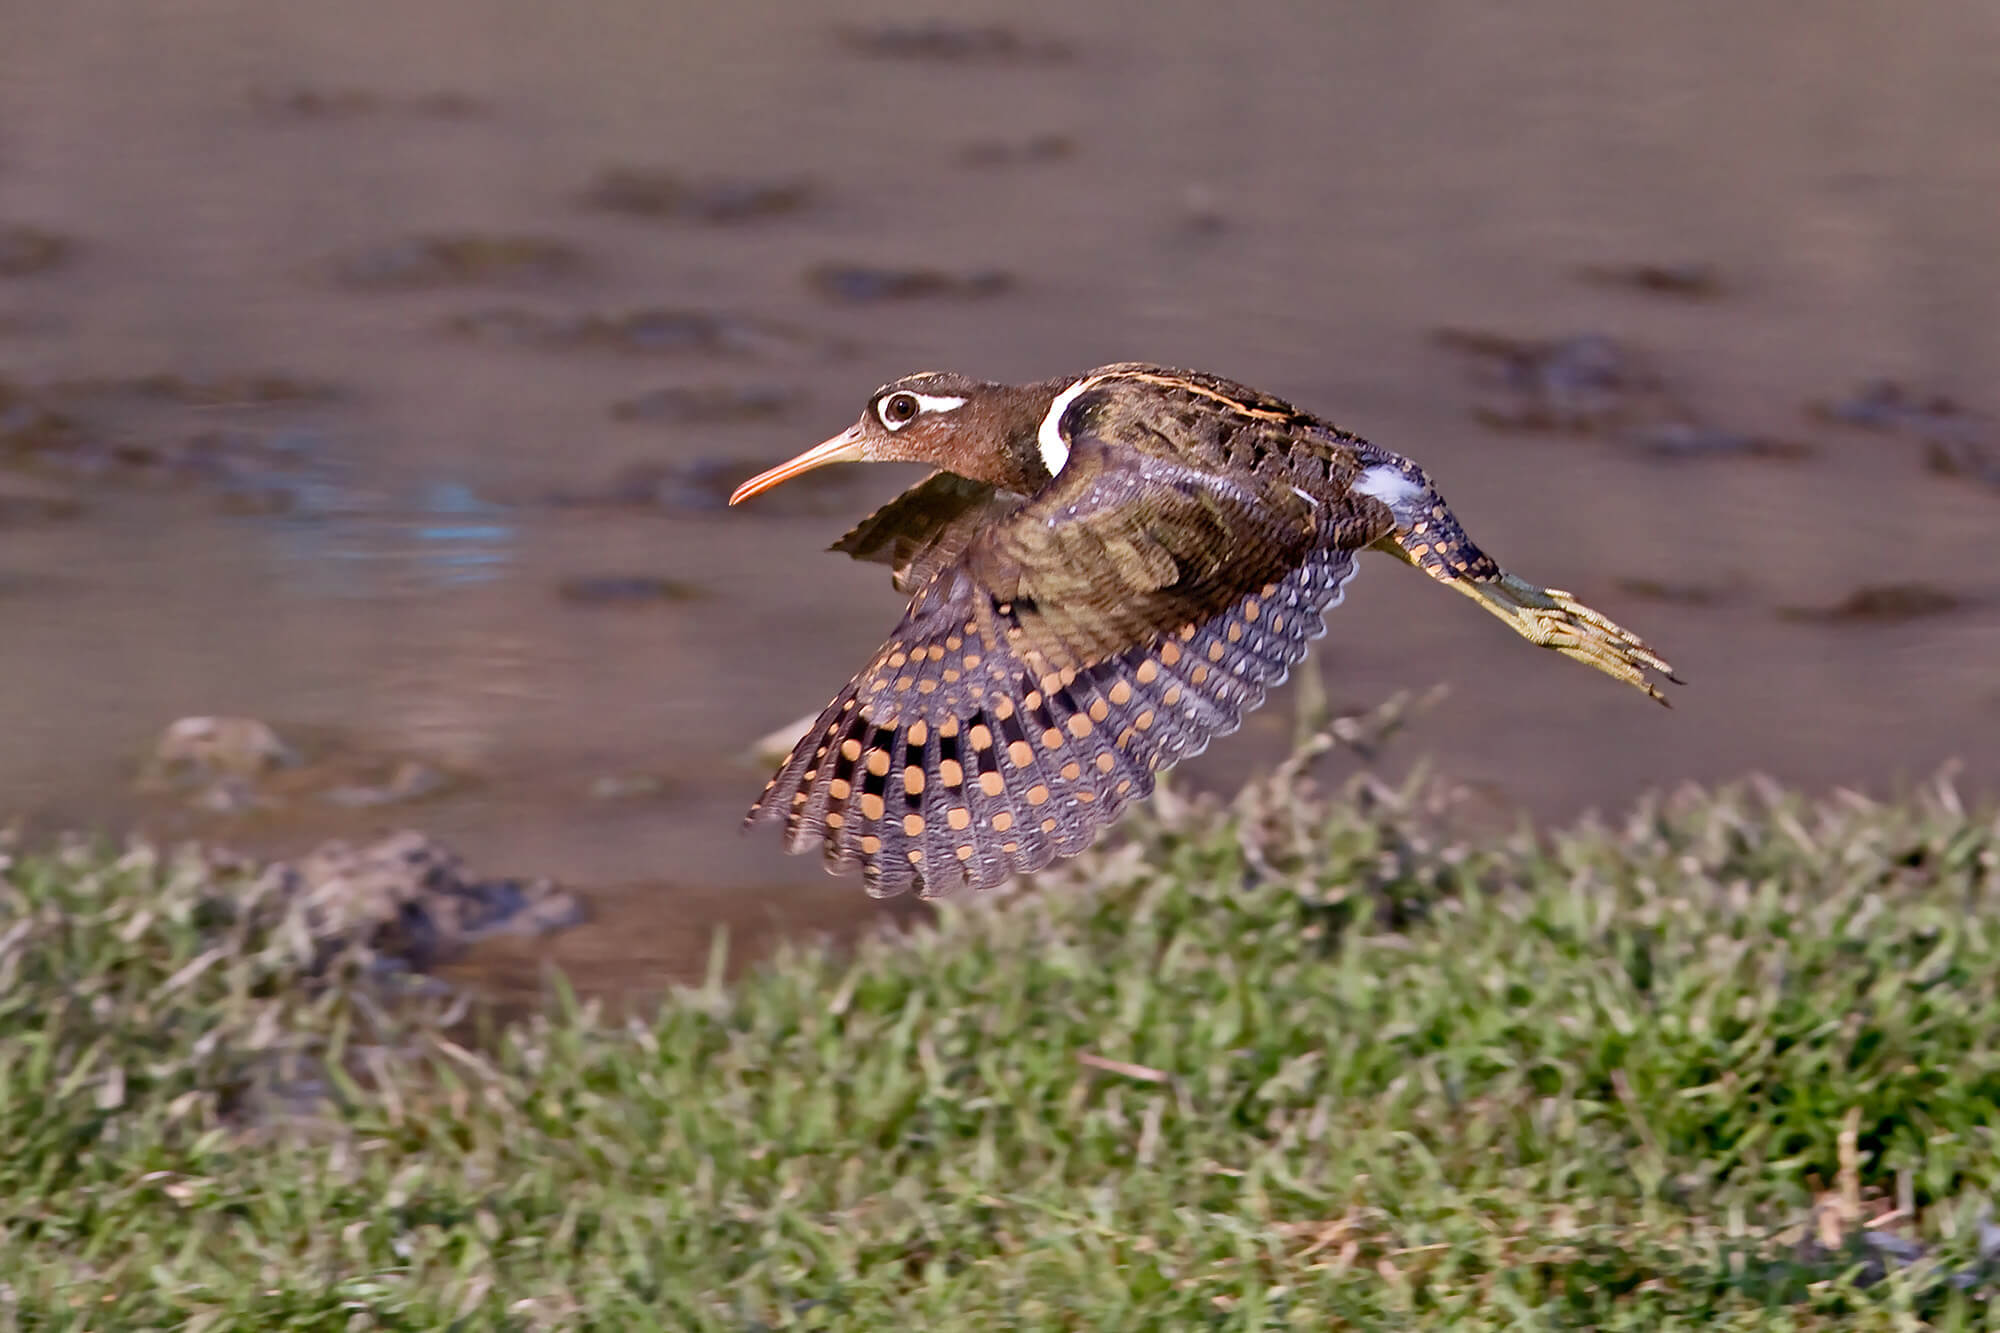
378 370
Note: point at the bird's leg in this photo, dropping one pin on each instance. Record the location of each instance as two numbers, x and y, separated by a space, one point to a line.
1428 536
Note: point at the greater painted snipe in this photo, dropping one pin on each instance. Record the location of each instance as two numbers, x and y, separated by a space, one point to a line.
1106 571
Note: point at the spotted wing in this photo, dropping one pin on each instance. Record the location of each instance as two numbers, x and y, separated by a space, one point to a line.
926 527
1018 709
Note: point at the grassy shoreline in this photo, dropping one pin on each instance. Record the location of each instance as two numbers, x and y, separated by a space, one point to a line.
1302 1060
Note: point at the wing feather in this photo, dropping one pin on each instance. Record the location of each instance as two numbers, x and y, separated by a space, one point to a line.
1076 643
926 527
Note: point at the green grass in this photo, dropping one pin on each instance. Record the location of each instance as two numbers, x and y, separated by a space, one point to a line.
1304 1061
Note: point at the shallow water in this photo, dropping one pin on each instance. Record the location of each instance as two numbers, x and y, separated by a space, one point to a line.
1295 196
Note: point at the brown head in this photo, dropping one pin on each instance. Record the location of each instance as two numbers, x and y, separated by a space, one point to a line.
979 430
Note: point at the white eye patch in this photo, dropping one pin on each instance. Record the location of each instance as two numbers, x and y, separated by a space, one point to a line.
901 408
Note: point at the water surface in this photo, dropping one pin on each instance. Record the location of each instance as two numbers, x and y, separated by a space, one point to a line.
1297 196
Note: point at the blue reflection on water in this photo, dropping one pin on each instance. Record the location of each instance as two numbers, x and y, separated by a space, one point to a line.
338 542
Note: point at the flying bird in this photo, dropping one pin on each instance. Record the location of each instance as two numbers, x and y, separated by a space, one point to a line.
1105 571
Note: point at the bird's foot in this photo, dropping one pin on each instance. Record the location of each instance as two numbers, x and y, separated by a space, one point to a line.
1554 619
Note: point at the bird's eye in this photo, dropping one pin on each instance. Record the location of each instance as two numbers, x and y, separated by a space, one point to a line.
898 410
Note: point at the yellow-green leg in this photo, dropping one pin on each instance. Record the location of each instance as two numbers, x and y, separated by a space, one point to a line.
1549 617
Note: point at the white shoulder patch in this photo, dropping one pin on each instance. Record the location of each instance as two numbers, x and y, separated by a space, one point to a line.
1055 450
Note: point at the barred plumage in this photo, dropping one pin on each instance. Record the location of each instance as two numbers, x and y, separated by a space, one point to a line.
998 770
1110 572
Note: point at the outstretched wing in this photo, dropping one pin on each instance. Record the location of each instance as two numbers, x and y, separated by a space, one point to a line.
926 527
1106 628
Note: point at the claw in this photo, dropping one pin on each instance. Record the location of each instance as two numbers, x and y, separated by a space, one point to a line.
1554 619
1549 617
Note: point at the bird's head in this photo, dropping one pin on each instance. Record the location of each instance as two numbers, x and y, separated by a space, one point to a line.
996 433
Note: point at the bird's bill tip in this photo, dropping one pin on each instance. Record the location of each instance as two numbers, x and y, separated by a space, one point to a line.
842 448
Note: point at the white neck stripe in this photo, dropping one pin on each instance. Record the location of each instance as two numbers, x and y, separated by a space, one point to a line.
1055 449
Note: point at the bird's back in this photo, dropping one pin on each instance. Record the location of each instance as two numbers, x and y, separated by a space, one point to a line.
1218 424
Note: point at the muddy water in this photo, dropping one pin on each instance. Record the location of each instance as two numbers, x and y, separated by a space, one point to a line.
1298 196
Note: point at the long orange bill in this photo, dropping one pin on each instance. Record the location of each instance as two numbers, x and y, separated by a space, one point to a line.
842 448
